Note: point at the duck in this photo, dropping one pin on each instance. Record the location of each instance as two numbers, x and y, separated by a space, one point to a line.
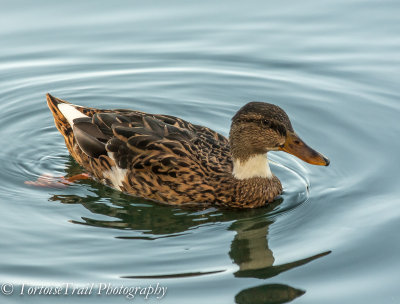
169 160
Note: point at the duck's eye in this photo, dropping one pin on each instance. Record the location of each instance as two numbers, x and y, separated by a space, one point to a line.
265 122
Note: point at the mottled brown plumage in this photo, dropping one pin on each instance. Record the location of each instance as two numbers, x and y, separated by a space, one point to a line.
169 160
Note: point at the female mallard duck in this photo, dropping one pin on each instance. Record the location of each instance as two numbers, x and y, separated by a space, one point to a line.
167 159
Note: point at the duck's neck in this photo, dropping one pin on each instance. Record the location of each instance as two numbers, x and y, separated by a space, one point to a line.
253 166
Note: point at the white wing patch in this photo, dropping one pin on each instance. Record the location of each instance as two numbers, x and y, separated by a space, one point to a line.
70 112
116 175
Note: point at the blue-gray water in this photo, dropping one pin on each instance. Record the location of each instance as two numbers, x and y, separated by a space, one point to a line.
334 66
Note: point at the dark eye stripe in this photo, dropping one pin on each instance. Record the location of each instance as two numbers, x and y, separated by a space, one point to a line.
277 126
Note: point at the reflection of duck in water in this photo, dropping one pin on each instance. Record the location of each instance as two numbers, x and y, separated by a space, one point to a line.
147 221
250 251
167 159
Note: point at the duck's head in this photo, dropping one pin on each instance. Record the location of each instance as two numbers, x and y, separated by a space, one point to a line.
259 127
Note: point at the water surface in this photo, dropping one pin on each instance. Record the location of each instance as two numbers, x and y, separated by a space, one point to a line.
332 237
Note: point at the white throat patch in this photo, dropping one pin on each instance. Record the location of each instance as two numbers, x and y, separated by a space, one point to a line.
255 166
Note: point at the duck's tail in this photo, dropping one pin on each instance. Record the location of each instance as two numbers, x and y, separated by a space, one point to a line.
64 111
64 114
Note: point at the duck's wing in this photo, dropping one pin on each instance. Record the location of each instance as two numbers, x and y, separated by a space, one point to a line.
148 141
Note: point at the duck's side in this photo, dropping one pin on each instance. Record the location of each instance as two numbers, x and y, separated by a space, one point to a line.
158 157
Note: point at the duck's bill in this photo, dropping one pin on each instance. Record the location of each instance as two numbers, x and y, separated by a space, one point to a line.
297 147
